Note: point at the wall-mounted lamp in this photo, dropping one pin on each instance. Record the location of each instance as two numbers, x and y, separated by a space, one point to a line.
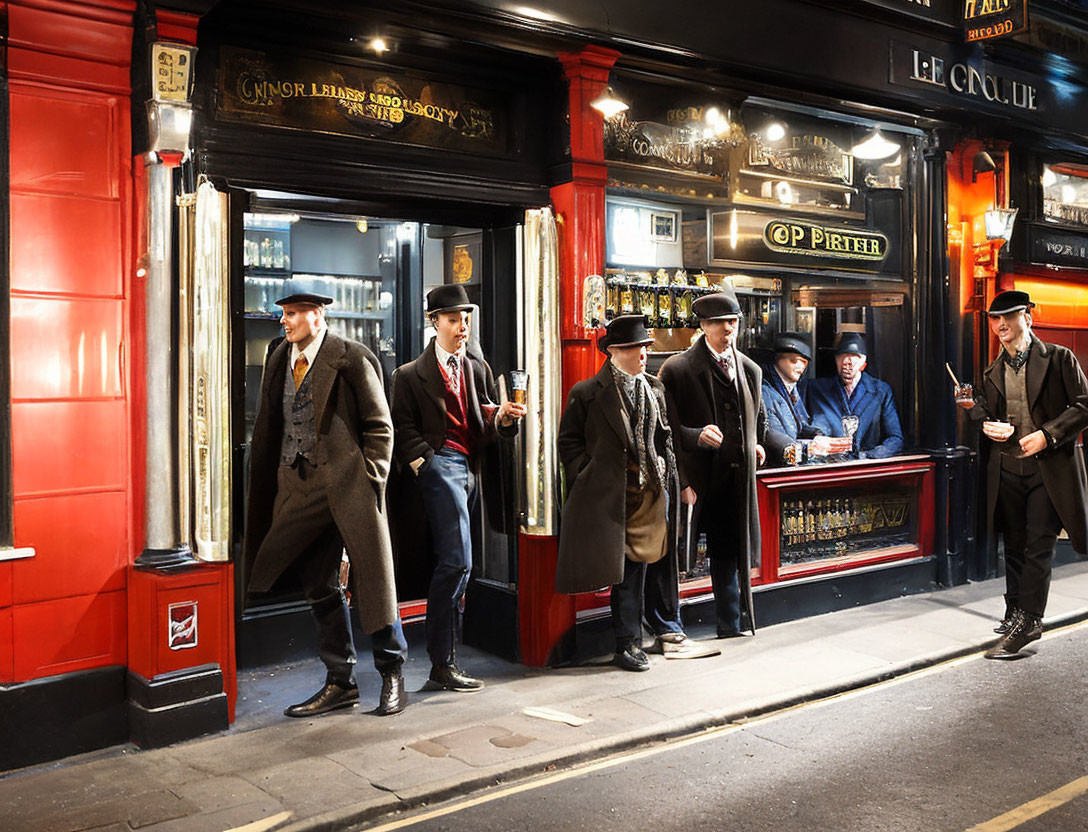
362 225
874 147
982 163
377 45
999 223
608 105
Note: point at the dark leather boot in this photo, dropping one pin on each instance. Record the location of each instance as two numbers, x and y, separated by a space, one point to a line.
450 678
1026 628
393 698
330 698
631 657
1007 621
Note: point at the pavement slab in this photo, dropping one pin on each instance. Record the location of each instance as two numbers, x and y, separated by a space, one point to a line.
349 766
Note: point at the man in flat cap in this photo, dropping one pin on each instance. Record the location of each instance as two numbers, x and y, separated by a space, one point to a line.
444 413
792 438
855 404
319 460
620 517
1033 406
716 412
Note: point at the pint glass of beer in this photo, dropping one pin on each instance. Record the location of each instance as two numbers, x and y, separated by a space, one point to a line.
519 381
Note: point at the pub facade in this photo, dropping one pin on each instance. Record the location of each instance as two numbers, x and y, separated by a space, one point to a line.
882 168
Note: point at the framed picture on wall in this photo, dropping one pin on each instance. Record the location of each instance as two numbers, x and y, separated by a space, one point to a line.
463 258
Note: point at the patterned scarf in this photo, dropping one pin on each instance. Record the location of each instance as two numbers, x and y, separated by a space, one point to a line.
1019 360
652 469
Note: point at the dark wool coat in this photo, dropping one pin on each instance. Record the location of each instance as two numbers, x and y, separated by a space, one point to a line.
355 444
419 405
594 442
879 433
689 390
786 421
1058 397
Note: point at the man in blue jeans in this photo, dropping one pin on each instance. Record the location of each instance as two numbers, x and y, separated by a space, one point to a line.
443 414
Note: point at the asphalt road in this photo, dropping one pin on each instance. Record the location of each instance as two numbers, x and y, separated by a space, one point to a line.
944 750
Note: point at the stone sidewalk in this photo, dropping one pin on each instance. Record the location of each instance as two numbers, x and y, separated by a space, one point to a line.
350 766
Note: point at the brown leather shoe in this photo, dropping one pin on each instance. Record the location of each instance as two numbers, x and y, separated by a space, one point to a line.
329 698
1025 629
393 698
450 678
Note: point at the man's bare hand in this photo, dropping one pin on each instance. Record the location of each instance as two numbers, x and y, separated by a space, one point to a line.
761 455
711 437
1033 443
819 446
998 431
687 496
509 412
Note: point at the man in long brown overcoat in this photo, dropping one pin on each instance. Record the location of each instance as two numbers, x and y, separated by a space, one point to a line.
619 519
319 460
1033 406
715 408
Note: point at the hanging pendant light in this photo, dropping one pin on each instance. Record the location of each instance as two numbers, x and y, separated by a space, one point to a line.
874 147
607 104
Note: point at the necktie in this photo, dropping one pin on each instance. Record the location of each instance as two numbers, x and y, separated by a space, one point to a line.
793 396
726 362
454 363
299 371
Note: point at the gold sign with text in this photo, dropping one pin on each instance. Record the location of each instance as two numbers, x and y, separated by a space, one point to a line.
793 237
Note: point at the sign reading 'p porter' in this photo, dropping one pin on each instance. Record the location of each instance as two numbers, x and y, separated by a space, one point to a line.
792 237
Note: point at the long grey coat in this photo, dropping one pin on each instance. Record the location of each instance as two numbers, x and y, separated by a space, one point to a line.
1058 397
594 440
355 442
689 389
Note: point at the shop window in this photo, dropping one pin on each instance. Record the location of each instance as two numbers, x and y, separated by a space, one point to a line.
1065 193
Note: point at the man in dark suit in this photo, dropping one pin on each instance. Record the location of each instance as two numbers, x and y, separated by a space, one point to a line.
443 414
620 517
320 456
717 418
855 404
1034 405
791 436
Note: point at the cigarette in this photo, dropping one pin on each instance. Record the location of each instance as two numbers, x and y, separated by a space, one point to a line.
955 380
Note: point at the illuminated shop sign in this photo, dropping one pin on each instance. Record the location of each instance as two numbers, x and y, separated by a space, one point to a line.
989 19
977 79
792 237
290 91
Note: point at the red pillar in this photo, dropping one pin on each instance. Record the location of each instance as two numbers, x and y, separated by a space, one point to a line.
545 616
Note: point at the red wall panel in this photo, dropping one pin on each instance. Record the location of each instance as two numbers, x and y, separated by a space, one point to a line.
82 158
51 235
7 663
99 35
5 582
86 552
67 635
69 446
72 348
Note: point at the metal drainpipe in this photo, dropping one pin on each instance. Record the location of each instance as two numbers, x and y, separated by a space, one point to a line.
162 546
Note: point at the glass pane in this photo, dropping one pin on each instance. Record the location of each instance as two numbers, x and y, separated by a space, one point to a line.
1065 193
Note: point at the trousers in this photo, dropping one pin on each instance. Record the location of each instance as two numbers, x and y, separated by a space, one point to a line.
647 590
1030 527
302 523
721 520
450 496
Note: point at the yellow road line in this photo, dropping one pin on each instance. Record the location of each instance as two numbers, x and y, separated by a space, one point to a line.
264 824
708 734
1034 808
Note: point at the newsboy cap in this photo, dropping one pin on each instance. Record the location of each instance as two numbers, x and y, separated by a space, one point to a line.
796 342
852 343
447 298
297 293
721 304
1010 301
625 331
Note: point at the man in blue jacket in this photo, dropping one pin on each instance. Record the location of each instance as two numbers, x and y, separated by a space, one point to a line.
791 436
855 404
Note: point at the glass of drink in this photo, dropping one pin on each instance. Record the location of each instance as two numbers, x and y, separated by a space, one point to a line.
965 395
519 381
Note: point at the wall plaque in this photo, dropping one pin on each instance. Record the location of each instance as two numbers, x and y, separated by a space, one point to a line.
794 237
303 93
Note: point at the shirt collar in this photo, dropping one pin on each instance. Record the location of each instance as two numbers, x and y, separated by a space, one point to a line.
311 351
443 356
789 385
857 384
718 356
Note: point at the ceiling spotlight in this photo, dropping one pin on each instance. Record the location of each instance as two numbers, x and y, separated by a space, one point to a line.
607 104
775 131
362 225
874 147
378 45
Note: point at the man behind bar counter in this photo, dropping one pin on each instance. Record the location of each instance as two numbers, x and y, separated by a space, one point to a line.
1034 405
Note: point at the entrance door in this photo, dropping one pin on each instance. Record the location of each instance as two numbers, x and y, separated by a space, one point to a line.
378 269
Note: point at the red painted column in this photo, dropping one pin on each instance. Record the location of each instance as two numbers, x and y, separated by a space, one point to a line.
546 617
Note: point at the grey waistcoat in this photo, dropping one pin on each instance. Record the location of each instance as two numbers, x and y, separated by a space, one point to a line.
299 422
1019 413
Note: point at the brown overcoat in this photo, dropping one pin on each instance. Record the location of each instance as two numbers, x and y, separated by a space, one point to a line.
355 444
1058 397
689 389
594 441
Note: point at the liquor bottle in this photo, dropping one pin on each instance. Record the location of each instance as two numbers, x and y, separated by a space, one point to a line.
612 296
627 296
810 523
787 524
277 254
647 300
848 518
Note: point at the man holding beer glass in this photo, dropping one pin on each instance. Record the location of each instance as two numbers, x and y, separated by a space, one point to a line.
1033 406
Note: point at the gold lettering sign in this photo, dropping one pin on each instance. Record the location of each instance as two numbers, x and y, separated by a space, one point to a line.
793 237
171 71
